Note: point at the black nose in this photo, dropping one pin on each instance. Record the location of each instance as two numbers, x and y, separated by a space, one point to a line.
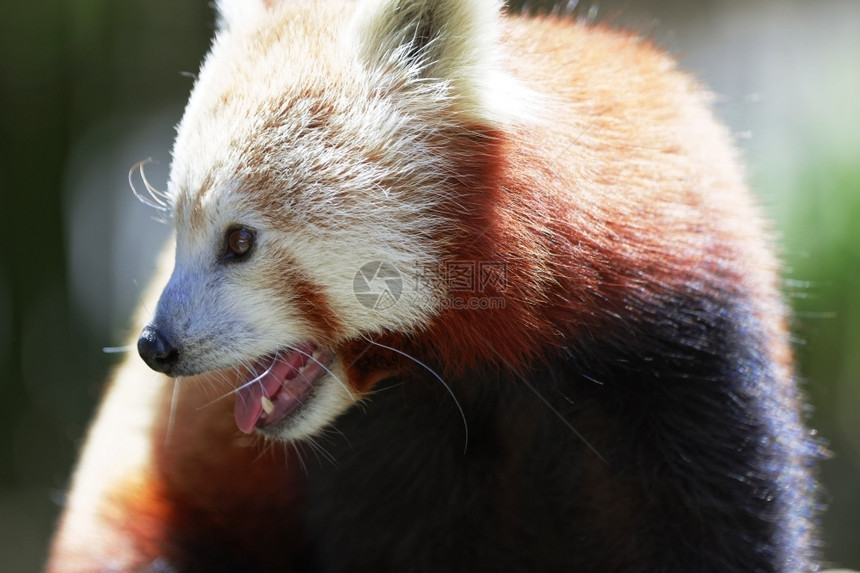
157 350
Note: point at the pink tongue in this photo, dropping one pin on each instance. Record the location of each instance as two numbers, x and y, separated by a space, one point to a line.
270 375
248 407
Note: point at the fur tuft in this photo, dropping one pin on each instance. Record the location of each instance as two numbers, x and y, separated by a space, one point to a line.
232 14
451 44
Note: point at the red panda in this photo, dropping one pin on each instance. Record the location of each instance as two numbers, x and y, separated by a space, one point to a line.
451 291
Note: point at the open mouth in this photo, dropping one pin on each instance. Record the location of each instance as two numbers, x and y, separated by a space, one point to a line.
278 385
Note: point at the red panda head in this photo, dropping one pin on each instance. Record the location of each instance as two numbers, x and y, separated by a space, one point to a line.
313 179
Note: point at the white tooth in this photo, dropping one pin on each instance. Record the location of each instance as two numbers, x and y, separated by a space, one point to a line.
268 407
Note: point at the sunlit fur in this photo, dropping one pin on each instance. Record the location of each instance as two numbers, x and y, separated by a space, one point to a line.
639 330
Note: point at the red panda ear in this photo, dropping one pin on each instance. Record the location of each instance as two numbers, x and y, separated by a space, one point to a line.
454 42
232 13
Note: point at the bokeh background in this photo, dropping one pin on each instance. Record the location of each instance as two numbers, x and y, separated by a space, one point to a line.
90 87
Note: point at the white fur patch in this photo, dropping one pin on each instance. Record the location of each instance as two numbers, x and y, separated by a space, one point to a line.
239 13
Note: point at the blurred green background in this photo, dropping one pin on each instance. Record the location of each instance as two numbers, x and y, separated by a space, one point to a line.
90 87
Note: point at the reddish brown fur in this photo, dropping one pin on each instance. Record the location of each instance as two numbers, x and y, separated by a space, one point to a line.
311 303
212 491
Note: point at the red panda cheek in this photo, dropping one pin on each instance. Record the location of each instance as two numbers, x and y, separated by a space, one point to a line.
289 282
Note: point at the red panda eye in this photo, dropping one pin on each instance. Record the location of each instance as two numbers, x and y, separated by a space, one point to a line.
239 242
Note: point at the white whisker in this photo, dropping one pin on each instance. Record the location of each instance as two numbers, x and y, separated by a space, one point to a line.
236 390
439 378
325 368
118 349
320 451
299 456
542 399
171 417
155 199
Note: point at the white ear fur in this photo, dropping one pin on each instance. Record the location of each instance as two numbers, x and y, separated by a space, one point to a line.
450 41
240 13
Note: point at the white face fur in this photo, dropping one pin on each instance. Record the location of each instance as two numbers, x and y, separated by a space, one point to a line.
320 141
